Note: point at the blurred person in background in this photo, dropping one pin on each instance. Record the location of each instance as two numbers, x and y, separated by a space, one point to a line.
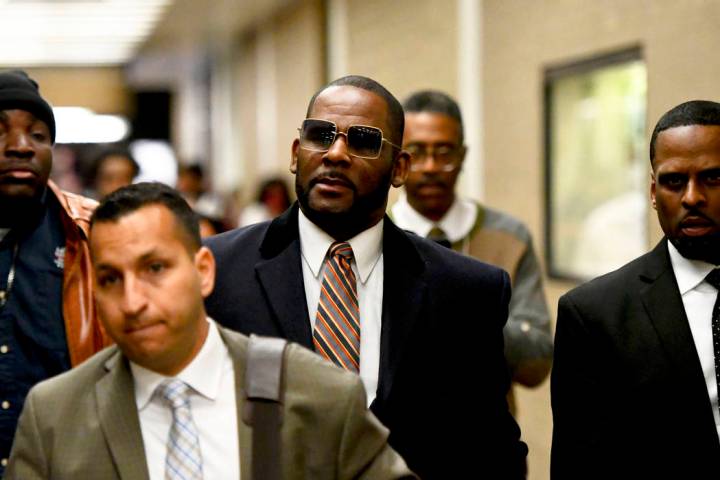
211 217
47 313
334 274
273 199
210 206
115 167
191 182
431 208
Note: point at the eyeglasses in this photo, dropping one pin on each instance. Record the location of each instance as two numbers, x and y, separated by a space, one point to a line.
445 156
362 141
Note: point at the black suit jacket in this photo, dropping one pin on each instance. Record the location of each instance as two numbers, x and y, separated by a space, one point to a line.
628 393
442 380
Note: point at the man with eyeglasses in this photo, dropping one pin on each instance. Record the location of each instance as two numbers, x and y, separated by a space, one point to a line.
431 208
334 274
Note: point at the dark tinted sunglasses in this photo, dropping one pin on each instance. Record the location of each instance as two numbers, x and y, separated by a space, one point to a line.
362 140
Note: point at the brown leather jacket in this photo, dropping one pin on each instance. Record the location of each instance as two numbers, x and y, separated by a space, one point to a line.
85 335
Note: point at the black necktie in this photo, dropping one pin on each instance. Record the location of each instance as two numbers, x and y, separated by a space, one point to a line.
713 278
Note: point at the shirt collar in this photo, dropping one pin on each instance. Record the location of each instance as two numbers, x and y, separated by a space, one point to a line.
456 223
203 374
688 273
315 243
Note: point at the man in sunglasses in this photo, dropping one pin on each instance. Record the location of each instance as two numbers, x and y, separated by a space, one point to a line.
337 276
430 207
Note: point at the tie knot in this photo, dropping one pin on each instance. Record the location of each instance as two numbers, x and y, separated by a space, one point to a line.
174 392
437 235
342 249
713 278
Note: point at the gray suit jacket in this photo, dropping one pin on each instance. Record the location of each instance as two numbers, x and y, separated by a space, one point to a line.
84 423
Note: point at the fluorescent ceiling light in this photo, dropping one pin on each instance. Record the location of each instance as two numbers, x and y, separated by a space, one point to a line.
72 32
81 125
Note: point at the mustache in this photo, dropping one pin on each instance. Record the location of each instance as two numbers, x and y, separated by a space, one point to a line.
334 176
692 216
431 181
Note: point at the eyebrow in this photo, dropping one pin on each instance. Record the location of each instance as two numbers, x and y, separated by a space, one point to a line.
143 258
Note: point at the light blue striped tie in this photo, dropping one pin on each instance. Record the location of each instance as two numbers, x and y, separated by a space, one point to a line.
183 460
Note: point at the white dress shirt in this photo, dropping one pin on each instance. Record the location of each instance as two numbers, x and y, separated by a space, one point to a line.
212 401
368 267
456 223
698 298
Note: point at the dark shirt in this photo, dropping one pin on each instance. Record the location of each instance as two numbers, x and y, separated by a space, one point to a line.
33 346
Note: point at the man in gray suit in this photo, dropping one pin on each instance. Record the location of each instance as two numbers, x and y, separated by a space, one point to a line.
167 400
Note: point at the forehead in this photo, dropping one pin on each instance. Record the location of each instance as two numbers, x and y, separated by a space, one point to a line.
688 145
17 114
135 234
346 105
430 127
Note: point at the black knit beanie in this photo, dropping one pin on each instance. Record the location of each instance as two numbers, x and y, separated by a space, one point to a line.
19 91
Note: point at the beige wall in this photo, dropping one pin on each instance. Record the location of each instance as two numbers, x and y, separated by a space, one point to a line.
278 66
281 74
245 113
522 38
404 44
300 71
407 45
101 89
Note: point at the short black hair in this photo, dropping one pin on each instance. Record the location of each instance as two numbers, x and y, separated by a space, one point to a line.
131 198
396 116
115 151
434 101
694 112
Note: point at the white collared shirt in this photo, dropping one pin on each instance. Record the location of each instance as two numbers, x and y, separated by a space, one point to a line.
368 267
212 380
698 298
456 223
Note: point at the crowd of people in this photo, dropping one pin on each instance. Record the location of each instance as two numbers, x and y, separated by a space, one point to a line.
332 338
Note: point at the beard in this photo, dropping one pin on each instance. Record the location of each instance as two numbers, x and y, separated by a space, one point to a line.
353 220
705 248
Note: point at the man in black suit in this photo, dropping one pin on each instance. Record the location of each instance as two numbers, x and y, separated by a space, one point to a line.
634 385
434 374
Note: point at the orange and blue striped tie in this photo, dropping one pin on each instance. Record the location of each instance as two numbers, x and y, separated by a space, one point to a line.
337 323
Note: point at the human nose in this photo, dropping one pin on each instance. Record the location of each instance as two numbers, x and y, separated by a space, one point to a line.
18 143
426 162
694 194
133 299
338 151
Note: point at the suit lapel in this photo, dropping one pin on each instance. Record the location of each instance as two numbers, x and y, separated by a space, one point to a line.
117 412
403 297
280 275
662 300
237 346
